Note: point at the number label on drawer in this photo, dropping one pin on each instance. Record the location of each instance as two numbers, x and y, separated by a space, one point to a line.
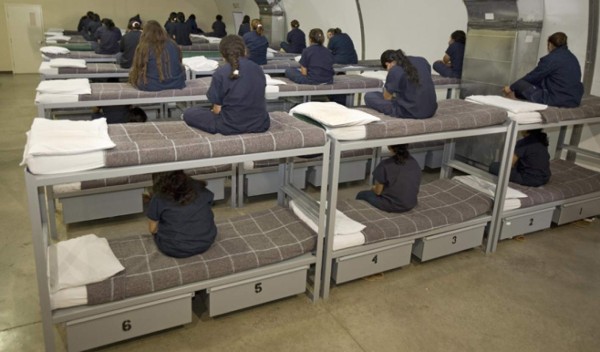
258 288
126 326
374 260
531 222
453 239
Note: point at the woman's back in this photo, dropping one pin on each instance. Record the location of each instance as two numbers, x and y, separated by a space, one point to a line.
257 47
412 100
342 47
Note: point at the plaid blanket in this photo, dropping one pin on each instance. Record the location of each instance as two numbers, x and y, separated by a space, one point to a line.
339 82
299 160
156 142
197 46
81 55
242 243
93 68
441 203
115 91
590 107
451 115
568 180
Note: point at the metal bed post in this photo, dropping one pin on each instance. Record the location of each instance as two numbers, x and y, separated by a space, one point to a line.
319 282
574 141
448 154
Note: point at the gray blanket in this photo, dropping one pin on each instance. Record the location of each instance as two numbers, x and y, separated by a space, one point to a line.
81 55
451 115
339 82
441 203
195 89
197 46
590 107
568 180
93 68
242 243
156 142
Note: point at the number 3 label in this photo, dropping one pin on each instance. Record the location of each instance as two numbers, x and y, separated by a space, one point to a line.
453 239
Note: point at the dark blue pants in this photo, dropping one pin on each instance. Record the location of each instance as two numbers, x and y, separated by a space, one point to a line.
371 198
296 76
528 91
201 118
375 101
444 70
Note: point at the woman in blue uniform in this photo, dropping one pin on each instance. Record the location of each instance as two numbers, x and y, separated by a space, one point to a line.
129 43
107 37
397 182
296 39
452 62
245 26
341 47
191 22
180 215
218 28
531 160
408 90
237 92
316 62
182 30
256 43
157 61
556 81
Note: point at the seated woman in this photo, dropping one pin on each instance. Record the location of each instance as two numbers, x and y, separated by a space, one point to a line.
218 28
531 160
397 182
556 81
256 43
245 26
107 37
452 62
316 63
157 61
296 39
408 90
191 22
129 43
237 92
182 30
180 215
341 47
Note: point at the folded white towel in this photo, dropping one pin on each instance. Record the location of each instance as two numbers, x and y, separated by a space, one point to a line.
487 187
51 41
271 89
51 31
81 261
45 69
62 62
65 86
49 98
526 117
54 50
209 39
58 36
332 114
65 137
272 81
200 63
511 105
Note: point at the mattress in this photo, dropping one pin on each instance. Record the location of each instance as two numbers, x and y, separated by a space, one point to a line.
83 55
119 91
339 82
200 47
567 181
299 160
242 243
441 203
590 107
93 68
157 142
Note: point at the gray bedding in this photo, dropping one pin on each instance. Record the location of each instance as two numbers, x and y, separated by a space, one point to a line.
590 107
93 68
299 160
339 82
114 91
451 115
82 55
200 46
242 243
442 81
441 203
568 180
156 142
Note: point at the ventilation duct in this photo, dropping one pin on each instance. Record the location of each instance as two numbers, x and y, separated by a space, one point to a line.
272 18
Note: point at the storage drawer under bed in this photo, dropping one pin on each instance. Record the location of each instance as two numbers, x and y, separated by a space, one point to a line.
268 182
436 246
251 292
123 324
576 211
355 170
355 266
526 223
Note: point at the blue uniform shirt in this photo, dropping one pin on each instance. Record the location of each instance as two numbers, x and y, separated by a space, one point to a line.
181 32
244 28
342 47
558 74
400 182
218 28
129 43
412 100
318 60
242 100
108 40
257 47
297 40
456 52
173 78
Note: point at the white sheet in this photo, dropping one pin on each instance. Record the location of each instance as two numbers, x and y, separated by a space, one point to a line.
271 89
58 164
347 233
331 114
200 63
44 98
350 133
488 188
65 86
80 261
381 75
210 39
57 36
525 117
272 81
45 69
63 62
69 297
54 50
512 105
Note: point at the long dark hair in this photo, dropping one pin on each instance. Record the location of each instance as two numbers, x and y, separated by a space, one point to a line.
232 47
175 186
402 61
539 136
108 23
401 152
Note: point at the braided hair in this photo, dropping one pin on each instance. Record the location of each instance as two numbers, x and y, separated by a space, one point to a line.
232 47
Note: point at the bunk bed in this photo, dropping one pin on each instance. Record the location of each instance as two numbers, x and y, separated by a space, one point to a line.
261 256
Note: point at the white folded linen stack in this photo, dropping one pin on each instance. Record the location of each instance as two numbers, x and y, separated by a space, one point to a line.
57 37
54 50
333 115
65 62
511 201
272 81
523 112
200 63
62 90
347 232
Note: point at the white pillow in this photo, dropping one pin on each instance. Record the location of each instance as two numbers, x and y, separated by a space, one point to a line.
64 62
81 261
54 50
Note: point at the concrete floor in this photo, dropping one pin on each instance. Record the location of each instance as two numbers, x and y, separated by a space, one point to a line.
541 293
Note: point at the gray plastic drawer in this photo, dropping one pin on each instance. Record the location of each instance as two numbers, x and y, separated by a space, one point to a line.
129 322
102 205
248 293
217 186
355 266
268 182
522 224
576 211
355 170
447 243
